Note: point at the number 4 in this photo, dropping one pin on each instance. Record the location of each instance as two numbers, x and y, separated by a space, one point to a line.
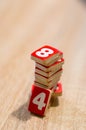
39 100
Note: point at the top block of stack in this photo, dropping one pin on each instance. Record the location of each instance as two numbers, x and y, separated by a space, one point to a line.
46 55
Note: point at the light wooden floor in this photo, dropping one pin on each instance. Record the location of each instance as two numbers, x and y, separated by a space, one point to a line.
26 25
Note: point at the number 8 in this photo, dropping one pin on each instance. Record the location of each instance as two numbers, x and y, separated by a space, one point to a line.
44 52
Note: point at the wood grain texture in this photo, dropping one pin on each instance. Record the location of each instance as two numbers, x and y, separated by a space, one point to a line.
26 25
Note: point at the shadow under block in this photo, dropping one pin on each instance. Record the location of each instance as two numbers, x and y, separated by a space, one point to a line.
39 100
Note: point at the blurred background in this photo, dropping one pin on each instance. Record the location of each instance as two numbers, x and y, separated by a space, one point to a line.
29 24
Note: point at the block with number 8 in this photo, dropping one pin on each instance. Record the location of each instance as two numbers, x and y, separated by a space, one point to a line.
46 54
39 100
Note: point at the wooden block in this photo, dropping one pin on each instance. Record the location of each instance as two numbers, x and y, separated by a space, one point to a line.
56 65
58 90
54 60
39 100
47 74
48 84
45 55
48 79
40 84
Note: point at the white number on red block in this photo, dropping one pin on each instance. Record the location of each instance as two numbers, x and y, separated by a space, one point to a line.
44 52
39 100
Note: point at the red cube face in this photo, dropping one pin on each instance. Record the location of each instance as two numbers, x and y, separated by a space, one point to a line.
39 100
45 52
58 90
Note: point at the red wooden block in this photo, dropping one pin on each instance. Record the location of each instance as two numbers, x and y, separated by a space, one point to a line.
56 65
46 74
58 90
39 100
45 54
48 79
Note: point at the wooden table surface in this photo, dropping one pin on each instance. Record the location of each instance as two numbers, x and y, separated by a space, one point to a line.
26 25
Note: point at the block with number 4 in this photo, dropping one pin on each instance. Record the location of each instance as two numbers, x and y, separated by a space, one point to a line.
39 100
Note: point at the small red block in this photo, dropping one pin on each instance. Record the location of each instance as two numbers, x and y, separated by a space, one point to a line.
58 90
39 100
45 52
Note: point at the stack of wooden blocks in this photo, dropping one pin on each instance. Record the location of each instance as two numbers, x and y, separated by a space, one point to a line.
48 70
